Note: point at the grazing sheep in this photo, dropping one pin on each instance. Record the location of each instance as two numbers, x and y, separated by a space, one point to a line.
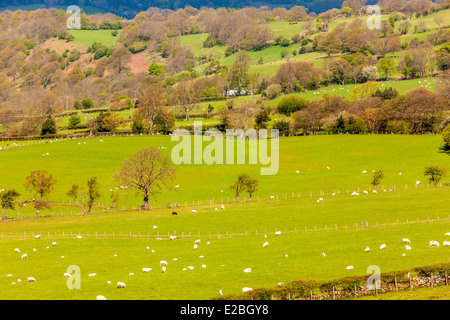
194 211
37 236
195 247
434 244
222 207
121 285
163 263
148 248
220 292
272 198
31 279
172 237
155 227
323 254
67 275
349 268
92 274
54 244
246 289
407 248
405 240
367 249
101 298
216 209
355 193
383 246
446 243
248 270
277 233
447 234
365 192
190 267
203 265
16 250
79 237
24 256
374 191
197 241
265 244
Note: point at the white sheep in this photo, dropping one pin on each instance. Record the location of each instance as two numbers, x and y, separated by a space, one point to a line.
101 298
246 289
367 249
54 244
405 240
220 292
121 285
446 243
148 248
349 268
407 248
247 270
155 227
24 256
277 233
265 244
16 250
447 234
31 279
222 207
163 263
272 198
67 275
37 236
203 265
194 211
374 191
433 244
365 192
197 241
323 254
190 267
195 247
383 246
355 193
92 274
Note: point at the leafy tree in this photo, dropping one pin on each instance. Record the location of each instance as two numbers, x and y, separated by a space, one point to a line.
156 69
74 121
49 127
244 183
83 200
87 103
41 183
435 174
112 121
291 104
446 138
148 170
386 66
262 117
376 178
283 126
7 199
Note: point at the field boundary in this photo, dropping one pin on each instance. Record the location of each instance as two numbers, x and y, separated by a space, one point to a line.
156 235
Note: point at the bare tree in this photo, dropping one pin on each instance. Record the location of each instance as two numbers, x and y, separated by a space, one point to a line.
148 171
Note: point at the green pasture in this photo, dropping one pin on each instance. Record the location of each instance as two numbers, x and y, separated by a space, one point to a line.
88 37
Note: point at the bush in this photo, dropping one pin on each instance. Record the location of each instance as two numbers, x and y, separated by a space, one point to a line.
49 127
291 104
74 121
283 127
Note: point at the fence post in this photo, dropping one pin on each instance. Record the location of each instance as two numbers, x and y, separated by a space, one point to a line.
446 280
355 290
333 294
395 281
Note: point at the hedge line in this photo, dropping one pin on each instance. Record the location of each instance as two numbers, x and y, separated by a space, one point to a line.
303 288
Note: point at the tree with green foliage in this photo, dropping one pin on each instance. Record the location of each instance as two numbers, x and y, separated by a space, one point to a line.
244 183
434 174
376 178
87 103
41 183
74 121
49 127
156 69
7 200
446 138
291 104
386 66
85 200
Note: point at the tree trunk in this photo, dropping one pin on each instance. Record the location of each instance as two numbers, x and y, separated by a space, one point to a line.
4 213
145 205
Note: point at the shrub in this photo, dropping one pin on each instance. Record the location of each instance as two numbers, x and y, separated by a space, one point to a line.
283 127
49 127
291 104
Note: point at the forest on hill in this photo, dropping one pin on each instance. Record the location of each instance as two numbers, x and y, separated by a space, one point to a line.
144 74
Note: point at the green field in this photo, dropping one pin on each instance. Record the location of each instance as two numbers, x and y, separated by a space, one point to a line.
88 37
335 226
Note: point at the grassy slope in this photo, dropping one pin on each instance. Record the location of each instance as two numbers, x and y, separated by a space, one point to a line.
88 37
